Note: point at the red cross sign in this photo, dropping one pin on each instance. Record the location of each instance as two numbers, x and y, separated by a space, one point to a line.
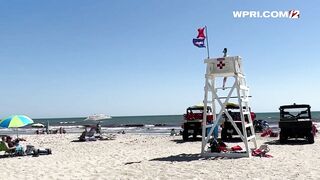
221 64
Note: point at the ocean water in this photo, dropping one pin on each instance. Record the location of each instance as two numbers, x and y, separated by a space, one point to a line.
133 124
118 121
163 120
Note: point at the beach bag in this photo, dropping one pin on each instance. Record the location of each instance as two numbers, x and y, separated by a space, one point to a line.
214 146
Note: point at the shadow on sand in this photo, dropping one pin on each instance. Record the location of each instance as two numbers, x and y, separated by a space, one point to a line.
186 158
232 140
180 158
180 141
289 142
77 140
5 156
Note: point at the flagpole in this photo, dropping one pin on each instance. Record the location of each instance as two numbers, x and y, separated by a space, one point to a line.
207 39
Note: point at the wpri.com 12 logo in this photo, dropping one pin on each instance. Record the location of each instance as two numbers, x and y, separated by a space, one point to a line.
294 14
291 14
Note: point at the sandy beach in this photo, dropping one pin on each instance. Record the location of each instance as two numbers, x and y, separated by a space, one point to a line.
132 156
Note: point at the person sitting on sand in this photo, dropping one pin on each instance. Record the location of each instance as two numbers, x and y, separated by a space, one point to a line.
11 147
173 132
10 142
88 135
15 144
83 135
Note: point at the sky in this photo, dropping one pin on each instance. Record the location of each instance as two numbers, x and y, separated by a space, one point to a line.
120 57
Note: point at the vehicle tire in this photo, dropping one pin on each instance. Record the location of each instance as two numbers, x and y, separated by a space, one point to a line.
249 132
256 129
195 133
283 137
185 135
310 138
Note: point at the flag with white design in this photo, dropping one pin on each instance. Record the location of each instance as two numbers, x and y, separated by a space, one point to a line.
199 41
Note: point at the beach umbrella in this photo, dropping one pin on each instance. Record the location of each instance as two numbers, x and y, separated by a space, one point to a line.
15 121
37 125
97 118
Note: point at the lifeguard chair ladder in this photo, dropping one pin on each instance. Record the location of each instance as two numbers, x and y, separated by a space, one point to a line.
226 67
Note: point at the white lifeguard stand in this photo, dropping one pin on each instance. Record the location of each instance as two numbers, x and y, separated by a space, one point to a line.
224 67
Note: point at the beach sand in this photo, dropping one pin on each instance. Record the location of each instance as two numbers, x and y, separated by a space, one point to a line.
132 156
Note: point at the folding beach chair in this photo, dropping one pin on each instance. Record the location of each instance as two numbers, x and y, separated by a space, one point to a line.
6 149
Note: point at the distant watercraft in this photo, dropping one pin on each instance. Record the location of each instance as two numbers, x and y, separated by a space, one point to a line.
97 117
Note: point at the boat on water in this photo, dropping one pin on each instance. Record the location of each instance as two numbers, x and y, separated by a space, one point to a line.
98 117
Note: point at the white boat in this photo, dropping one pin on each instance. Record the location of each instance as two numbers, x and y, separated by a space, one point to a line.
98 117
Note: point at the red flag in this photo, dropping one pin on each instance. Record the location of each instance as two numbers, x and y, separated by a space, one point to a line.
201 33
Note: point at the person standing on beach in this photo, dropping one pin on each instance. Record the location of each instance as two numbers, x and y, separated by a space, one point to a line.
98 129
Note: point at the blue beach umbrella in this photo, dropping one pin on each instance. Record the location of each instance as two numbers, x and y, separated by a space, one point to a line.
15 121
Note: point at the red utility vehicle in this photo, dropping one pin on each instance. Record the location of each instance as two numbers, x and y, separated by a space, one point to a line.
193 121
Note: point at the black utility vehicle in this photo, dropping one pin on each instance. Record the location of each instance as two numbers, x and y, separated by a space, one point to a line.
295 122
228 130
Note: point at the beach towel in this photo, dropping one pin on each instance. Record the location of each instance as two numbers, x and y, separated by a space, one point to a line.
236 148
266 132
220 146
106 137
270 133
